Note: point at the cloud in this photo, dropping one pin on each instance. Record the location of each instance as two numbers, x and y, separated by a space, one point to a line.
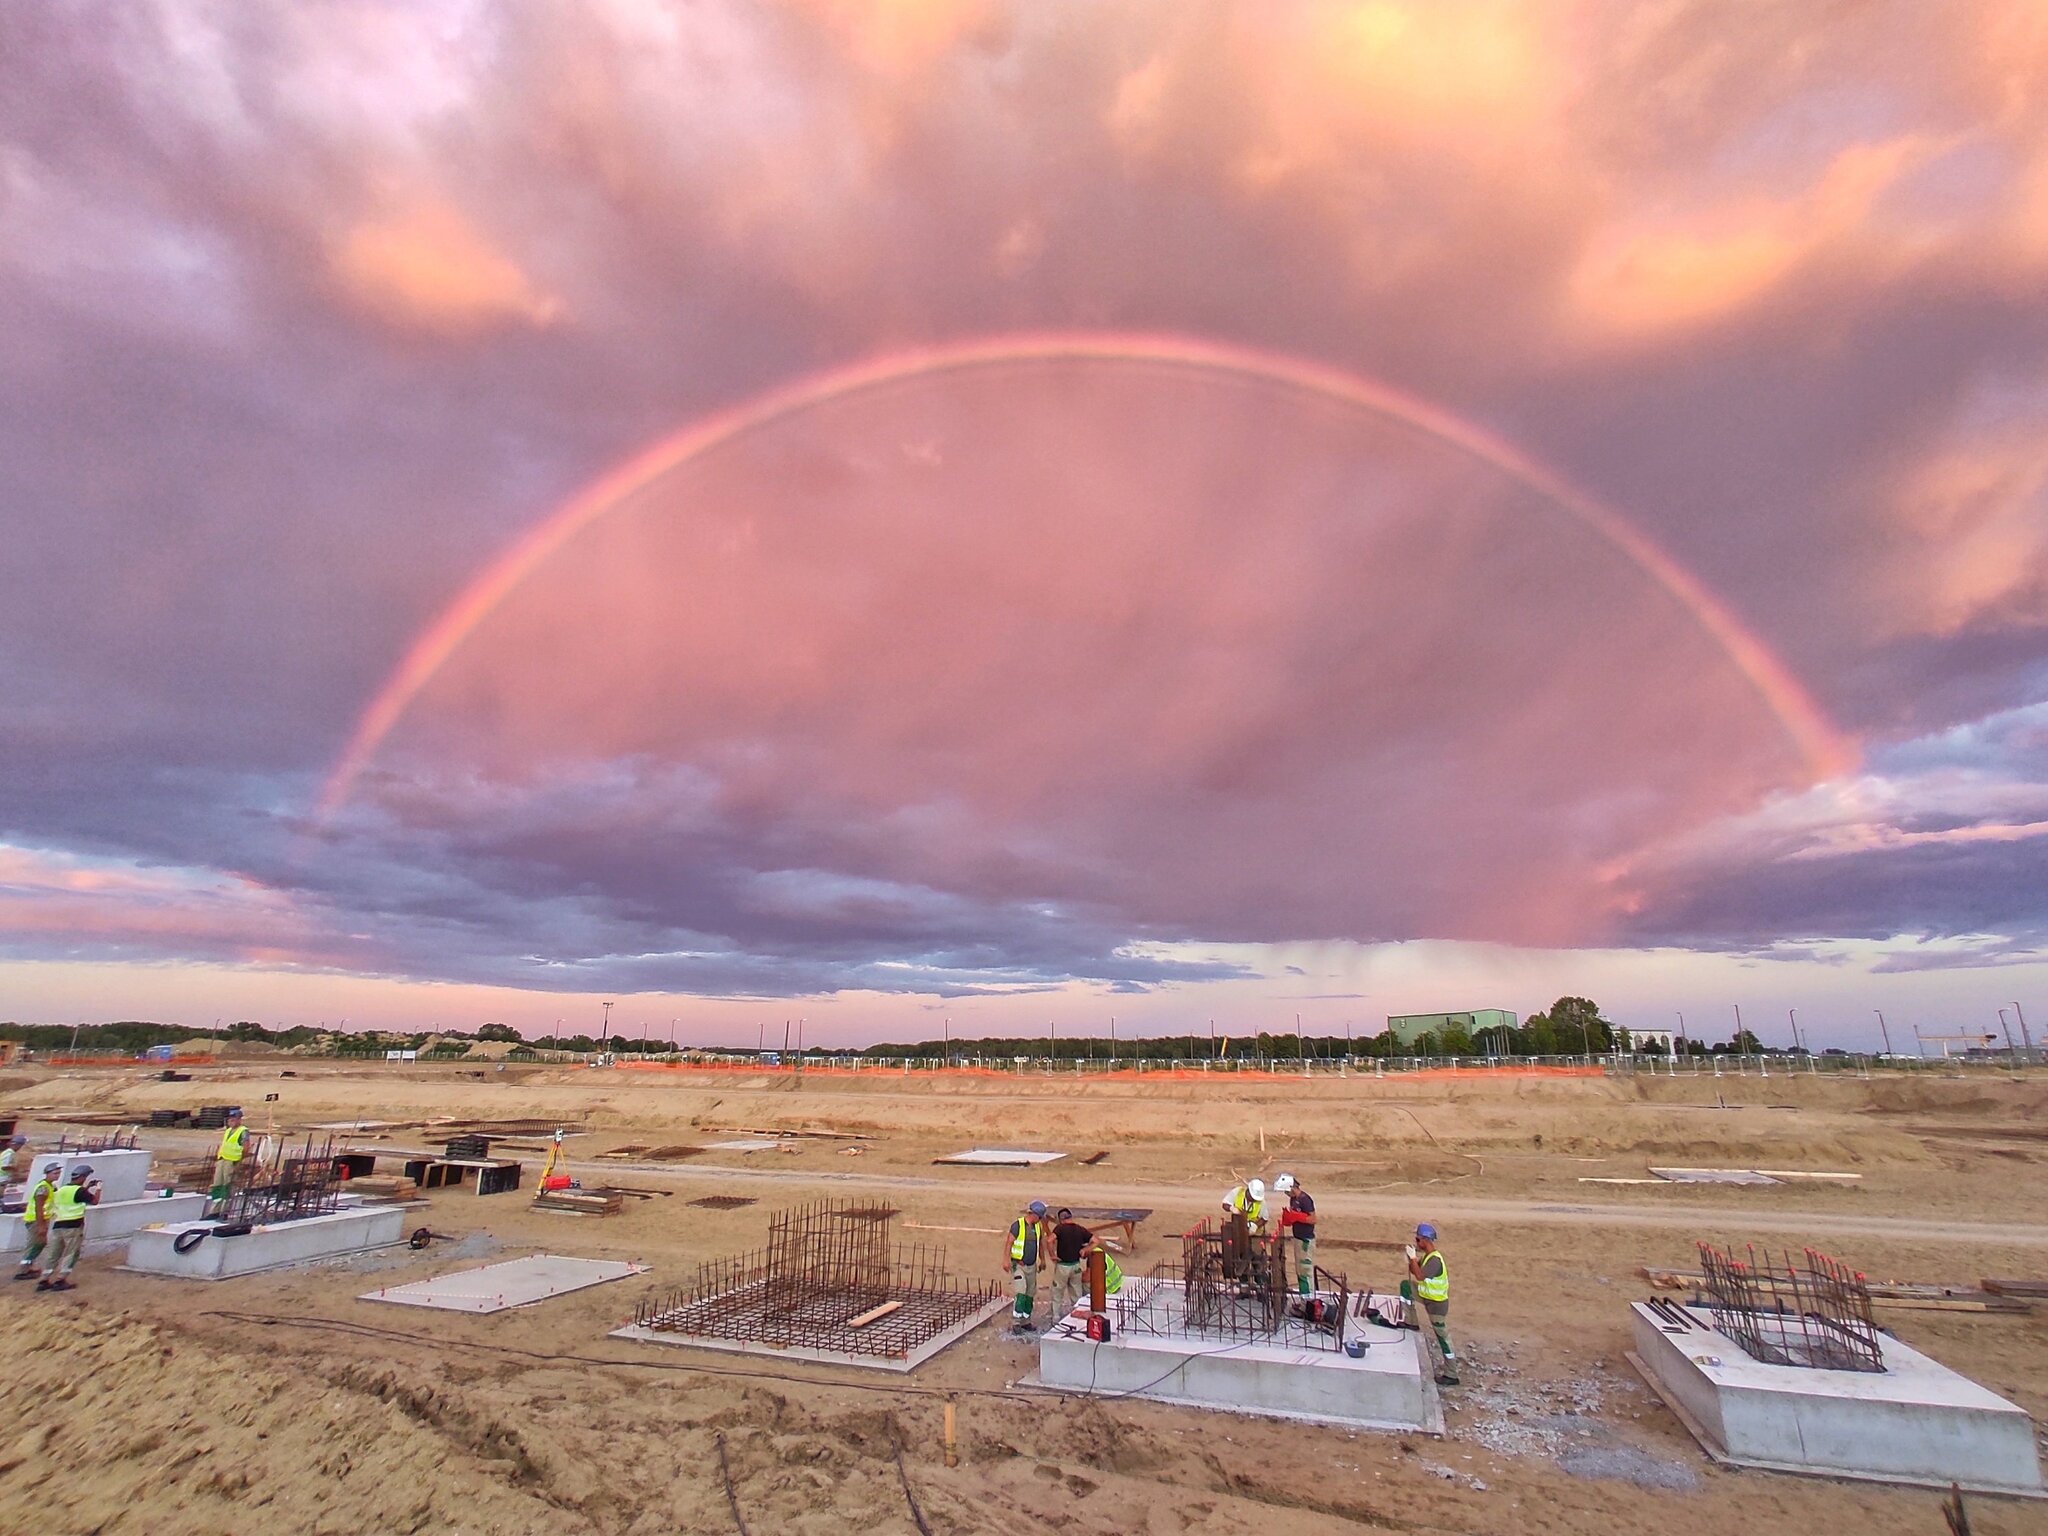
996 682
430 269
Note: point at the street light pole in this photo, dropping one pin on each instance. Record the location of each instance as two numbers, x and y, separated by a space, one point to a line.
2026 1039
1793 1015
607 1026
1883 1031
2006 1025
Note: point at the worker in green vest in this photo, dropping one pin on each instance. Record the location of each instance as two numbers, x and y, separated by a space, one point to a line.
74 1197
1429 1285
227 1159
1024 1251
35 1217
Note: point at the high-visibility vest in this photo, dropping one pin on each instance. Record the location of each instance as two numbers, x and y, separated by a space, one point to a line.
231 1144
1112 1277
1241 1200
1436 1283
70 1204
42 1189
1024 1241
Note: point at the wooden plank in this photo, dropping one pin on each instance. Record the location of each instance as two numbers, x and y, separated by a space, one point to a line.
2037 1289
874 1314
1894 1295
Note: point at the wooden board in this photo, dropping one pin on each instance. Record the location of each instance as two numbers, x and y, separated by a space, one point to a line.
1894 1295
874 1314
2037 1289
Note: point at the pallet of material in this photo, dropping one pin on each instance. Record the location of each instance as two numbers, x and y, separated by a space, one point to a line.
581 1202
1895 1295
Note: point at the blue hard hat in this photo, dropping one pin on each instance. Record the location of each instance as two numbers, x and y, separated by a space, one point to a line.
1424 1229
1036 1207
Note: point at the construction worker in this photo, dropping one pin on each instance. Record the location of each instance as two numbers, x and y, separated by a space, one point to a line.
1070 1241
1299 1222
16 1166
67 1227
1429 1284
227 1159
1249 1201
35 1218
1024 1252
1112 1275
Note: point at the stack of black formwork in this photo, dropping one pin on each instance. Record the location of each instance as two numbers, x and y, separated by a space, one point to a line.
212 1117
468 1149
169 1117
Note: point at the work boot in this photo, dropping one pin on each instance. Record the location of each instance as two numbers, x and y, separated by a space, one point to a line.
1446 1379
25 1273
62 1285
43 1285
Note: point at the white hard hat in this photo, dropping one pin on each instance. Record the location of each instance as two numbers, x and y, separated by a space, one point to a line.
1256 1189
1283 1184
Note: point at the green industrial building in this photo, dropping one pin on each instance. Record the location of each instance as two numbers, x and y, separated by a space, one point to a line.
1407 1028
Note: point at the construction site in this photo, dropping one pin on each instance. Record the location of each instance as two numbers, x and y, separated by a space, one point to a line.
616 1301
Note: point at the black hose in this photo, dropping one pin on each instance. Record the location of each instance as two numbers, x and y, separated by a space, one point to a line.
725 1471
186 1241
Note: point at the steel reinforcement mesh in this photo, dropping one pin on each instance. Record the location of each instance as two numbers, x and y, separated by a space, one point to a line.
1816 1315
830 1279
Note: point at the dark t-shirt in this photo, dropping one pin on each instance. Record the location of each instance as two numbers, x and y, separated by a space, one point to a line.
1300 1203
1068 1239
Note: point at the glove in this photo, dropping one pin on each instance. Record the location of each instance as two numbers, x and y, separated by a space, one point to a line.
1411 1254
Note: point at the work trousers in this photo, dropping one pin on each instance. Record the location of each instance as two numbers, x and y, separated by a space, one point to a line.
1069 1285
223 1177
66 1244
1024 1289
1439 1319
1305 1264
38 1234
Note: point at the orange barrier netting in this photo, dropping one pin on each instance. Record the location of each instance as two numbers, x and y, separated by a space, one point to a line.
1120 1074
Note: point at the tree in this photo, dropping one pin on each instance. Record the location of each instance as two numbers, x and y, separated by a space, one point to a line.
1744 1043
1457 1040
1572 1025
500 1032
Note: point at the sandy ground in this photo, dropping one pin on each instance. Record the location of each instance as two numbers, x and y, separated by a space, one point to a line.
284 1403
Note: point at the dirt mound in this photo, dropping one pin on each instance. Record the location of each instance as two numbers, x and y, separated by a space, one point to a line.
168 1437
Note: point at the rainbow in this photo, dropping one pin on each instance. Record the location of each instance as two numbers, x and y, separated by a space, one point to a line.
1825 752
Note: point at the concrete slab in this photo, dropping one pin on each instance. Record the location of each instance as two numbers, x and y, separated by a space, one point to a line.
514 1283
1712 1176
1391 1387
1001 1157
910 1362
748 1144
1915 1422
276 1246
112 1220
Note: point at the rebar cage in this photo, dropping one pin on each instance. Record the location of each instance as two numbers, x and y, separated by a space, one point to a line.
1815 1315
1230 1284
301 1183
827 1266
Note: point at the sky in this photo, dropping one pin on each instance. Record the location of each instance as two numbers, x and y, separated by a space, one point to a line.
952 514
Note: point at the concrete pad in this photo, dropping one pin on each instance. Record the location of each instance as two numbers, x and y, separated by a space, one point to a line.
1001 1157
750 1144
910 1362
112 1220
514 1283
1916 1421
272 1246
1713 1176
1391 1387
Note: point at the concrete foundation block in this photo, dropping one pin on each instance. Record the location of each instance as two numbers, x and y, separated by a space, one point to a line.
1390 1387
154 1250
122 1175
113 1220
1916 1421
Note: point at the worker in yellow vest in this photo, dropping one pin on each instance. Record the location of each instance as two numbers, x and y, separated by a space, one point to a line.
227 1160
1249 1201
74 1197
1429 1284
35 1217
1024 1248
